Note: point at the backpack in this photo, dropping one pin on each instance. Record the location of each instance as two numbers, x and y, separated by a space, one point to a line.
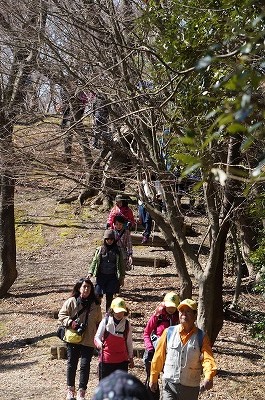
125 332
200 335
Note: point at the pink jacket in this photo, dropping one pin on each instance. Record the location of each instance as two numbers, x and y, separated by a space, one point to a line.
126 212
159 321
124 242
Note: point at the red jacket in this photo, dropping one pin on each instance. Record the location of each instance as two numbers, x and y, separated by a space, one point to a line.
126 212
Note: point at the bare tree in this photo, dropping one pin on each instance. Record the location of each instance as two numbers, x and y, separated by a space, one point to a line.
19 24
99 45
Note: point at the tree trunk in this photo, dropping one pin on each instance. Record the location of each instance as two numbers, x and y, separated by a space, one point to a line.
8 271
248 238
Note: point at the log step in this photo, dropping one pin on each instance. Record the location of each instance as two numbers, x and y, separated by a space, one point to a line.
60 352
150 261
154 240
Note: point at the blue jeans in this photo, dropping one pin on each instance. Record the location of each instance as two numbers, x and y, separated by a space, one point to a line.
74 352
146 219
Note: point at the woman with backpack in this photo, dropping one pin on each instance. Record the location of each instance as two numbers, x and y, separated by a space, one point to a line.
82 313
108 268
165 315
114 340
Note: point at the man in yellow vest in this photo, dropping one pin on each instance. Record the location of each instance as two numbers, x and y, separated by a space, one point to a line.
182 352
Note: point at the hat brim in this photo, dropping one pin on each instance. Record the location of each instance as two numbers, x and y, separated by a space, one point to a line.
119 309
183 305
170 304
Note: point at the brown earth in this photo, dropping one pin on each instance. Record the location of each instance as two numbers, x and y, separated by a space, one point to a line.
55 247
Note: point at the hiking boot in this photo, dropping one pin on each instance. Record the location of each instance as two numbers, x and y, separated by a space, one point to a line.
81 394
145 240
70 393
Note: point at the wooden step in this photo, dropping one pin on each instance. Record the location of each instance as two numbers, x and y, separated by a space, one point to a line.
60 352
150 261
154 240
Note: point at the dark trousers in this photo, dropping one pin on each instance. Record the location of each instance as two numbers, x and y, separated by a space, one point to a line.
154 395
105 369
74 352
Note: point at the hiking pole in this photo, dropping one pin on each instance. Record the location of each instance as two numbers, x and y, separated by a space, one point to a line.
153 231
101 362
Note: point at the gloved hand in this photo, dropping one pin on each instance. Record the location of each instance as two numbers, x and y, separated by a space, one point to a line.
74 325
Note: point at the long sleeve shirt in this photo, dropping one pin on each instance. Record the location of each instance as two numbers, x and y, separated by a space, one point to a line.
70 307
126 212
208 363
157 323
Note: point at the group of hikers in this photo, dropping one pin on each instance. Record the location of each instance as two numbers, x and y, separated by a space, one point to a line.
173 343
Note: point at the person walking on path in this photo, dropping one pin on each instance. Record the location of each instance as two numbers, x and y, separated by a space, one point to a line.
123 240
121 208
114 340
181 353
108 268
84 302
165 315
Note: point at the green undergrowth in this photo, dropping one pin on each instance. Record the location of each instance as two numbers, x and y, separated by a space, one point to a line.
31 231
29 237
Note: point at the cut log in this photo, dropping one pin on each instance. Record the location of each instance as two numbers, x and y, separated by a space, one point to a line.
150 261
157 239
154 241
59 352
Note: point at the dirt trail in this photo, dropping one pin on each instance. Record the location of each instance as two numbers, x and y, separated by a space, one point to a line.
46 276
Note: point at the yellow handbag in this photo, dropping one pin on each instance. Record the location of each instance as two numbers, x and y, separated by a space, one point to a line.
71 336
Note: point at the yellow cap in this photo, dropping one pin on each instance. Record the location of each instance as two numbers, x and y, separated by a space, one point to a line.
171 299
188 302
118 305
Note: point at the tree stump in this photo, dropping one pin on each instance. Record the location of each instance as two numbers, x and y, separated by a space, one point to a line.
58 352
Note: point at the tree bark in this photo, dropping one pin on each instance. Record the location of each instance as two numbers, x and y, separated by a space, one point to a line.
8 271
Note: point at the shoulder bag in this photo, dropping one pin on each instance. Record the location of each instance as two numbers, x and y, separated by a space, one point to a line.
70 335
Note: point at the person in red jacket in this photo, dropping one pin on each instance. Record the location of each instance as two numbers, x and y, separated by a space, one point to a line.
121 208
165 315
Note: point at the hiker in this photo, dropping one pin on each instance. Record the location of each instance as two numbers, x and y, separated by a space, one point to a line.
121 208
123 240
121 385
74 102
101 116
108 268
114 340
83 303
144 218
182 352
165 315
